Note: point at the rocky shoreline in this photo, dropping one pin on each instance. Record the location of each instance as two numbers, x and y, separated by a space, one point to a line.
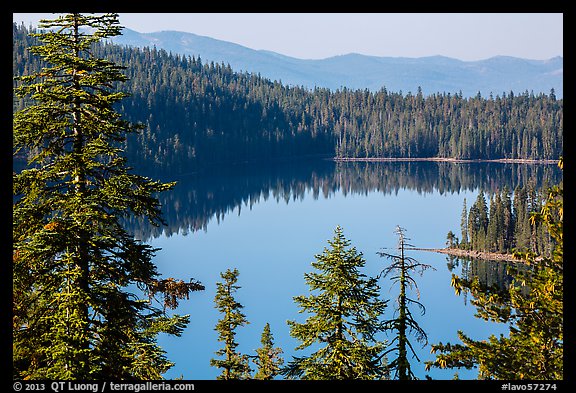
457 252
445 159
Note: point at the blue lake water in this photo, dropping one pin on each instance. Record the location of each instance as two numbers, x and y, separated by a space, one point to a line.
273 226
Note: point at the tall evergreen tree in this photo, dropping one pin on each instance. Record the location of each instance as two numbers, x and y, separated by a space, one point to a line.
75 268
451 240
234 365
522 230
478 223
508 221
402 268
464 225
268 357
493 231
345 312
499 217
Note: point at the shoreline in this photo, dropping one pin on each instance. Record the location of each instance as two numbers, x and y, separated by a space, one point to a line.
473 254
445 159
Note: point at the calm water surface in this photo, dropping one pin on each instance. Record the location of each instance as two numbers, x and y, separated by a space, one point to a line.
270 222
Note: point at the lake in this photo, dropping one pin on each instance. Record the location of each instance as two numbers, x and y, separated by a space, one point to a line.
269 222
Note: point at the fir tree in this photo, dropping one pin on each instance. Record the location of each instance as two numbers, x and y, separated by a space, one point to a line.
451 240
478 223
234 365
345 311
402 268
464 225
522 231
493 231
508 221
499 217
75 268
268 358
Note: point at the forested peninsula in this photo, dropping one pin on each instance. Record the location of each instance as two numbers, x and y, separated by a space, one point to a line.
199 115
504 229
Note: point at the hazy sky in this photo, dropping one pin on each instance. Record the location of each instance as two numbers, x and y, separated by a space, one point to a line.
466 36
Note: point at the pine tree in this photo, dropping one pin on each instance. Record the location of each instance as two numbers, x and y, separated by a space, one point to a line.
464 225
234 365
345 312
499 222
508 221
402 268
268 358
492 231
451 240
75 267
522 230
478 223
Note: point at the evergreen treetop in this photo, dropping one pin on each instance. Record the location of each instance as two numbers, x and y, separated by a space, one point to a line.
234 365
268 357
344 318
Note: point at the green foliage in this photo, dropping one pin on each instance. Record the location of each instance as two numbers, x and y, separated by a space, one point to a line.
478 222
451 240
234 365
402 268
464 225
268 358
344 318
532 306
74 265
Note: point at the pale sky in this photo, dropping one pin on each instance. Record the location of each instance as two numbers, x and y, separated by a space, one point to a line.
468 36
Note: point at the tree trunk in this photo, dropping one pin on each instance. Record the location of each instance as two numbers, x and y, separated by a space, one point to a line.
83 258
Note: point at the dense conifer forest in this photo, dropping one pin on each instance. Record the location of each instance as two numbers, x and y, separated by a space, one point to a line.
500 222
197 115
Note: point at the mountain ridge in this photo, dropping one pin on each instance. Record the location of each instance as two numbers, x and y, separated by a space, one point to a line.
433 74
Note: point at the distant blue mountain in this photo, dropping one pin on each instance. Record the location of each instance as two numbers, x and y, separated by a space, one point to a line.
355 71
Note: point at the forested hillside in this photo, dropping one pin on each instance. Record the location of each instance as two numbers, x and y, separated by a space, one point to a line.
197 115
